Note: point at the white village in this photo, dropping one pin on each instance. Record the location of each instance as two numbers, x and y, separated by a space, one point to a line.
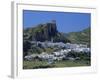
60 54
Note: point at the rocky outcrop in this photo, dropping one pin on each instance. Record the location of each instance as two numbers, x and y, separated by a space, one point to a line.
45 32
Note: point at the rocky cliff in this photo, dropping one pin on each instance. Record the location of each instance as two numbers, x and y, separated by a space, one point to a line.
45 32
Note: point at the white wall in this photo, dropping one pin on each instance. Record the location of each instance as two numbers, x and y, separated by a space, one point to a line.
5 41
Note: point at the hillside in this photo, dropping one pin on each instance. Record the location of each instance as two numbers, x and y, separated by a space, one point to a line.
82 37
49 32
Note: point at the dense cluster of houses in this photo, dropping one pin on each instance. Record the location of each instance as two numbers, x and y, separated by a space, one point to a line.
58 55
58 44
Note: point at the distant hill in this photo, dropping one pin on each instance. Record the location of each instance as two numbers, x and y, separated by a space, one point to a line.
44 32
82 37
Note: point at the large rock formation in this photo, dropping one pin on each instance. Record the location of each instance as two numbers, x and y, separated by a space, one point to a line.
44 32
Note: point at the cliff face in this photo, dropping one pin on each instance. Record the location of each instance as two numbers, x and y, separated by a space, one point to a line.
44 32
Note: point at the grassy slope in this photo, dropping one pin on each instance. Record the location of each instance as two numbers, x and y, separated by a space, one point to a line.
44 64
80 37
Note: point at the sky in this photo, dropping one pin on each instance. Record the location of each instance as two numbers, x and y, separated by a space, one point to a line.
66 21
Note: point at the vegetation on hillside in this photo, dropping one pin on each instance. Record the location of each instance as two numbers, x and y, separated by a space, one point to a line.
81 37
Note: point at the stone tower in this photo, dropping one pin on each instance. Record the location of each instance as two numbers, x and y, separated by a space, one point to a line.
54 21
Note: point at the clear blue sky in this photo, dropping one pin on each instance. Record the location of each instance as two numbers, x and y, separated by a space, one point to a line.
66 21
